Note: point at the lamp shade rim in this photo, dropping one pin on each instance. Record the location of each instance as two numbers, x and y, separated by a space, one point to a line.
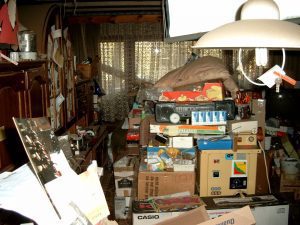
253 33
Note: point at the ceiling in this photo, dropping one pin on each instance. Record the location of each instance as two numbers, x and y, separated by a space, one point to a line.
103 7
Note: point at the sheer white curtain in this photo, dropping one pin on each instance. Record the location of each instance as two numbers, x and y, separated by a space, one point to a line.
132 55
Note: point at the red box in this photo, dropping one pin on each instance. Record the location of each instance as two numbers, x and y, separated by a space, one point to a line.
210 92
133 135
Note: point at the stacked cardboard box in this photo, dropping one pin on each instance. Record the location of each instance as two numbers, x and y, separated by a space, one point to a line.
125 173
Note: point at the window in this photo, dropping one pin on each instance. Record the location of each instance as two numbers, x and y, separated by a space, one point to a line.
148 61
112 66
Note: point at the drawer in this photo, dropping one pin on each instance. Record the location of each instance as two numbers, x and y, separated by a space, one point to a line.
16 80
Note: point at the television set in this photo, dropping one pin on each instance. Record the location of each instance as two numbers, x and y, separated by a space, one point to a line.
189 19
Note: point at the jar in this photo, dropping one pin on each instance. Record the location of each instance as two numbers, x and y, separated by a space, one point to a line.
27 41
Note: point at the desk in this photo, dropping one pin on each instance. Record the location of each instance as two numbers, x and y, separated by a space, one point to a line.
96 150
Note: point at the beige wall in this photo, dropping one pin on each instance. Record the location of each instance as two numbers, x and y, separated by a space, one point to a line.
33 17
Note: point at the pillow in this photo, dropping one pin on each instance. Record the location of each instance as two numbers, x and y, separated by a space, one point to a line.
204 69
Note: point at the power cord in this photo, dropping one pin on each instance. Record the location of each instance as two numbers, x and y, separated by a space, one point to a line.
266 166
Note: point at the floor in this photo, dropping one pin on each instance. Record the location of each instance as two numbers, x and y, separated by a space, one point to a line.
118 143
107 182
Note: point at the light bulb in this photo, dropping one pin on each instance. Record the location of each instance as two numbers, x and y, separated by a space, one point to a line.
261 56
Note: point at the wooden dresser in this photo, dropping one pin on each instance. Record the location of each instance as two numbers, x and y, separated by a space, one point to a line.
23 93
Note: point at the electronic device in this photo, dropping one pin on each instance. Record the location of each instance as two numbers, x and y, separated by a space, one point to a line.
174 112
246 140
226 172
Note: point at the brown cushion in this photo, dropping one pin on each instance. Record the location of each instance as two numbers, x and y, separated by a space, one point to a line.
204 69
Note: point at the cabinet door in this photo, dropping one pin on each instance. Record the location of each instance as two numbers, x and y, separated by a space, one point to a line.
37 95
11 150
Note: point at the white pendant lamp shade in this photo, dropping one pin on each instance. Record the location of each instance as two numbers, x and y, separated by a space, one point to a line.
258 28
254 33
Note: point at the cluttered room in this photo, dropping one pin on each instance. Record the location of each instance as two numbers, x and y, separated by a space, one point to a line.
149 112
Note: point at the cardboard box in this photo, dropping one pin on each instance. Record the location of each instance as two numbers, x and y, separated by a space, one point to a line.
258 112
199 216
143 213
148 216
145 136
123 206
163 158
163 183
125 175
289 183
175 130
275 213
211 142
133 149
210 92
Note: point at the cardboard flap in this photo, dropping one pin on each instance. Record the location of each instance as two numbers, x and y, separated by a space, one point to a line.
192 217
199 216
242 216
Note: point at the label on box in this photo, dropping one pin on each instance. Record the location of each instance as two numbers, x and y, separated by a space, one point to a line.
124 183
181 142
214 142
176 130
209 117
162 158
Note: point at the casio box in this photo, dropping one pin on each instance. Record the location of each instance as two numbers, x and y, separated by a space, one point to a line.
225 172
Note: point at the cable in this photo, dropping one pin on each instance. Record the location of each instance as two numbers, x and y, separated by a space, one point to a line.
266 166
75 8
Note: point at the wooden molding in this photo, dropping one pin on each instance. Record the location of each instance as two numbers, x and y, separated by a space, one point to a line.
114 19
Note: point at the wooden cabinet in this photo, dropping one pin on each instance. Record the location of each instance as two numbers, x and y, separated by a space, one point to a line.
23 93
84 100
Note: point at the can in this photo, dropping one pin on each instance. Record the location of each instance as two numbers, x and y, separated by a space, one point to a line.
27 41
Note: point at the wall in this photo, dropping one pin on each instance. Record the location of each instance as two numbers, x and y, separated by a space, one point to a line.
33 17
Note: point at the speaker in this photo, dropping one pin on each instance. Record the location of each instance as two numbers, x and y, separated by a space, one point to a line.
164 111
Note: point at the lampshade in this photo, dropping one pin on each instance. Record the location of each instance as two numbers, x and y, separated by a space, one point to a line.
258 28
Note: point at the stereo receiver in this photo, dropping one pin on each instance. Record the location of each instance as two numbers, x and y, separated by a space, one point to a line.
166 112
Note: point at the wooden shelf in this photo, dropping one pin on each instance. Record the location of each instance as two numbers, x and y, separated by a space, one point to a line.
22 65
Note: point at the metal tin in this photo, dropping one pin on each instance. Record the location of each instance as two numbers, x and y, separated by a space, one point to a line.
27 56
27 41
